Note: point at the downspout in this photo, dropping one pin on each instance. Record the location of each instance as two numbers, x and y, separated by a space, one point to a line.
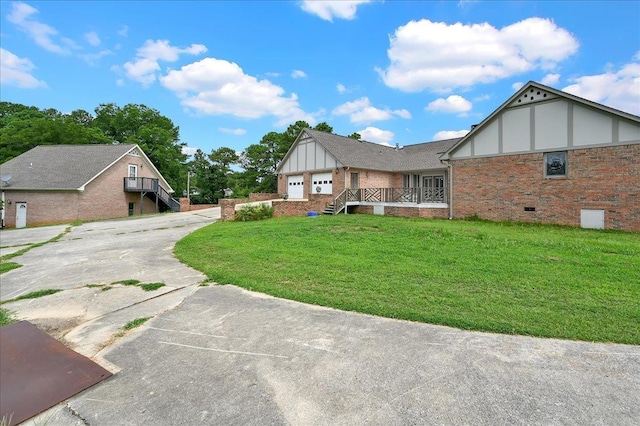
449 186
346 209
450 166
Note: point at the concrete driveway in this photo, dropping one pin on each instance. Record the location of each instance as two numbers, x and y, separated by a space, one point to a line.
223 356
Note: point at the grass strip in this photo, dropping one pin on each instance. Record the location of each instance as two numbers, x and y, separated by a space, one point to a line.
151 286
8 266
135 323
131 325
33 295
6 317
127 282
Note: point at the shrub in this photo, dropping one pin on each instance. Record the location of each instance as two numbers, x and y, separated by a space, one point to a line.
257 212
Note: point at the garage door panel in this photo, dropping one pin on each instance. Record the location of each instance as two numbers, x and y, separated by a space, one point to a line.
295 186
322 183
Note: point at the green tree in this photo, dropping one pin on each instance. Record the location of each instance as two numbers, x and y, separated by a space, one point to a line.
23 128
156 134
261 160
355 136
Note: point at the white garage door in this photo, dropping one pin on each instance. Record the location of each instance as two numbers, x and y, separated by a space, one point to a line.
322 183
295 186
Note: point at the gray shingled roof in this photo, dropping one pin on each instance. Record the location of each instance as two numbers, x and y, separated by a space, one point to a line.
60 166
373 156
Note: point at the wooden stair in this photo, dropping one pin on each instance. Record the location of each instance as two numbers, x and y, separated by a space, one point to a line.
330 209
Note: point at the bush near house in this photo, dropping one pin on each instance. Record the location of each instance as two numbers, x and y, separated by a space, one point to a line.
513 278
255 212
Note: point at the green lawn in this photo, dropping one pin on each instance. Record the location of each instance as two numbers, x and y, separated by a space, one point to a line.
507 278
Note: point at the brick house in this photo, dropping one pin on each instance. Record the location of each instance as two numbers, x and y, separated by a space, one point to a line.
547 156
64 183
543 156
365 177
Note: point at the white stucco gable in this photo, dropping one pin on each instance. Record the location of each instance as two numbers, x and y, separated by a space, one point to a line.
539 119
307 154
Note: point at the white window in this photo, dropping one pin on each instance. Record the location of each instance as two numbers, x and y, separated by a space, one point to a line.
132 182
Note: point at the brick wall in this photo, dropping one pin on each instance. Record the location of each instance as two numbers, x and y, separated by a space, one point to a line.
43 208
499 188
186 206
376 179
228 206
263 196
301 208
105 198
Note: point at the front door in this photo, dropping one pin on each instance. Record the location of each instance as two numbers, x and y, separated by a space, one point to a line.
355 180
433 189
133 174
21 215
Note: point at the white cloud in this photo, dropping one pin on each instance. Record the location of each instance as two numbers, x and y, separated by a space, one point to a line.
373 134
341 88
272 74
42 34
329 9
453 104
187 150
298 74
215 86
442 57
616 89
92 38
91 58
146 65
361 111
517 85
15 71
449 134
123 31
237 132
550 79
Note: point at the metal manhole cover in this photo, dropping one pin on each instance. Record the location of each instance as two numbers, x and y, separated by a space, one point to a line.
38 372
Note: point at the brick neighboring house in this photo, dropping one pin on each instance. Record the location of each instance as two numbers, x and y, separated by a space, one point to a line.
64 183
543 156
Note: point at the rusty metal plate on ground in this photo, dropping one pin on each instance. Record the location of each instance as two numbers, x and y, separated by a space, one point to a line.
38 372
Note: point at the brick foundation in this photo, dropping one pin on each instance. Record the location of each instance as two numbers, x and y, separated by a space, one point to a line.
423 212
499 188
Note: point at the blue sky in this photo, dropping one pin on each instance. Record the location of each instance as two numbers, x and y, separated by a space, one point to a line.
228 72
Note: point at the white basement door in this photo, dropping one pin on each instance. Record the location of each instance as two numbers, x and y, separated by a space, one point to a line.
295 186
322 183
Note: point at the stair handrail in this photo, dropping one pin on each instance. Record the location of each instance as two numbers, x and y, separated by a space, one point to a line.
340 202
173 204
